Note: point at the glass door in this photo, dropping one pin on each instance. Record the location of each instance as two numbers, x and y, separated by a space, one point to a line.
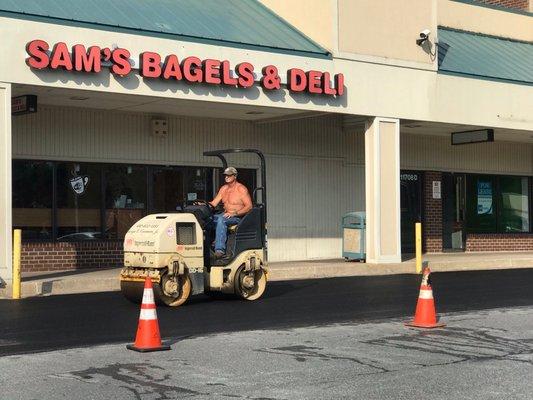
411 207
453 212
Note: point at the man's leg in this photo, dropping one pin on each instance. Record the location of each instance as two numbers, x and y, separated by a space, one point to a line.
222 231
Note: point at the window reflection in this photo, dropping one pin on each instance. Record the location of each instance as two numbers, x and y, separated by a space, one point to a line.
32 199
78 201
125 198
101 201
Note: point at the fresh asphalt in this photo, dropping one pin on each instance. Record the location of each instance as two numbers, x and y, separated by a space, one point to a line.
59 322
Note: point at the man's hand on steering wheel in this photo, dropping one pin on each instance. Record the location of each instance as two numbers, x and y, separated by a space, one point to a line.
200 202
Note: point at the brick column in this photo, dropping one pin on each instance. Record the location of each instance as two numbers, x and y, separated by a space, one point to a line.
432 224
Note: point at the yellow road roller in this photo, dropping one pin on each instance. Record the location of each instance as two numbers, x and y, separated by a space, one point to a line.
174 250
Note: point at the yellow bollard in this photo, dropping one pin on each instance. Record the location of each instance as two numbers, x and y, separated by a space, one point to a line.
418 247
16 263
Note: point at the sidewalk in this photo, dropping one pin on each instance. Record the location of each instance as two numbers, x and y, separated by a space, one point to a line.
103 280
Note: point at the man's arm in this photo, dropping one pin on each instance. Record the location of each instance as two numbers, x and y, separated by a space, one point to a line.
218 197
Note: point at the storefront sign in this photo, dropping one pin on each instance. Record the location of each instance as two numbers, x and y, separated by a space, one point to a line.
79 184
436 189
190 69
408 177
484 198
481 135
23 104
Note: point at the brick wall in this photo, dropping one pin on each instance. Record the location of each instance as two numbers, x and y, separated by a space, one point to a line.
515 4
64 255
432 226
499 242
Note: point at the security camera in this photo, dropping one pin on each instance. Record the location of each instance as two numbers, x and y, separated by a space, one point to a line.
424 35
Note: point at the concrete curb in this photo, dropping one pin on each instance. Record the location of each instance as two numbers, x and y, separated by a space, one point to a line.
107 280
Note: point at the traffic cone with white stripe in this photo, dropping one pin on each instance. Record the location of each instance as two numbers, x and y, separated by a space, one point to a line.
425 315
148 337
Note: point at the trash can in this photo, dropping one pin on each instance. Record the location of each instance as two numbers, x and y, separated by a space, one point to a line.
353 236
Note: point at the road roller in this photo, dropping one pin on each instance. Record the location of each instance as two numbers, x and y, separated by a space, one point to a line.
175 251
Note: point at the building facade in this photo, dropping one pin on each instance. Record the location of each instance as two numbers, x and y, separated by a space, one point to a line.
354 104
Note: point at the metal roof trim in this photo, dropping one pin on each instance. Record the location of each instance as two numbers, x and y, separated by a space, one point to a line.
320 53
446 28
485 78
477 55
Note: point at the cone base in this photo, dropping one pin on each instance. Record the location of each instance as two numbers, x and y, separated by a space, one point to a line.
147 349
427 326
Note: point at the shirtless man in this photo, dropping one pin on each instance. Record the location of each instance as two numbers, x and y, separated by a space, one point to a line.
237 203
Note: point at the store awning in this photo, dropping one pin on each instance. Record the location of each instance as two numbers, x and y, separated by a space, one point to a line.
235 23
485 57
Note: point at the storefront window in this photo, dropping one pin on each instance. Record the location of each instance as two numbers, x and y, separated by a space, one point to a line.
481 202
514 204
125 198
79 199
32 199
497 204
196 184
102 201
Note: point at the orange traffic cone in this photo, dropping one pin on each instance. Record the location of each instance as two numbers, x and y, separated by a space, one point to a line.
425 316
148 337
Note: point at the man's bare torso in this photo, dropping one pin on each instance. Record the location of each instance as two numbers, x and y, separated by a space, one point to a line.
233 197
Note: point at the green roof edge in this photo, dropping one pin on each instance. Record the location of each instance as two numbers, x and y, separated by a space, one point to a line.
165 35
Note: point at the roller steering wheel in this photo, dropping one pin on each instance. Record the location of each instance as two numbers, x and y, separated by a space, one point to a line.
201 202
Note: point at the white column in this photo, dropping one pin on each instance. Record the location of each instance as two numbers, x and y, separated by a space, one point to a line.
6 267
382 186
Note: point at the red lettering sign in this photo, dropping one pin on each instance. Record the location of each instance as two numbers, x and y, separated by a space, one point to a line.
60 57
339 84
296 80
87 61
314 84
121 62
38 58
191 69
326 85
211 71
245 71
150 65
227 79
172 68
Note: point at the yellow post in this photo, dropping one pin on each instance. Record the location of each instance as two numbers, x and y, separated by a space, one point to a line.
16 263
418 246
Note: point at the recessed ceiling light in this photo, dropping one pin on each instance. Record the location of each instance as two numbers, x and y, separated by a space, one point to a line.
255 112
78 98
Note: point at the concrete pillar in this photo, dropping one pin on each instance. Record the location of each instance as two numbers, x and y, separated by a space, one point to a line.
382 185
6 271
